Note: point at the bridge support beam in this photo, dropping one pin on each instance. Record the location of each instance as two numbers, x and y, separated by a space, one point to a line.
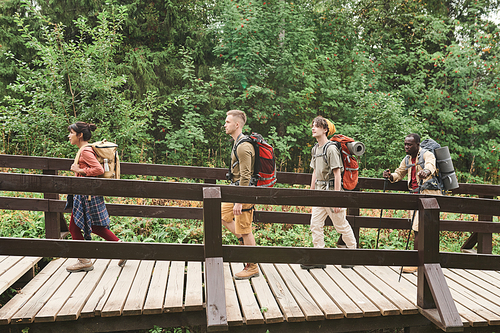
214 268
433 294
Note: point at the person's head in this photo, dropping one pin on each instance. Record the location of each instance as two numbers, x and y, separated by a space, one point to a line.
321 126
235 120
80 132
412 144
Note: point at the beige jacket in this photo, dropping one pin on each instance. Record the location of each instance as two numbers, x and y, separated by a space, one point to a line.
430 164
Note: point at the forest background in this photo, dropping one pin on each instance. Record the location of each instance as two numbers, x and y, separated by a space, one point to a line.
157 77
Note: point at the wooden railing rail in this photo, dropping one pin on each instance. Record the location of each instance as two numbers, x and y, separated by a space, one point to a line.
191 172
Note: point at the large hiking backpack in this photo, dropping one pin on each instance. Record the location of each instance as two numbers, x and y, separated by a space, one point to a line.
264 171
444 179
107 155
349 161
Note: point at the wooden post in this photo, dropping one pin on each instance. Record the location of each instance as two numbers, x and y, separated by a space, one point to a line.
52 219
214 269
485 241
433 295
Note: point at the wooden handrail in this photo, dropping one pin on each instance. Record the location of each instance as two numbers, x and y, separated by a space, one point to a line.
191 172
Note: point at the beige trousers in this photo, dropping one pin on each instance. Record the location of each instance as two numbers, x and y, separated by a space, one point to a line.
340 223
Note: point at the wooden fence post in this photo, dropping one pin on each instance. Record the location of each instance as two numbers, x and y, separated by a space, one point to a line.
214 269
433 295
52 219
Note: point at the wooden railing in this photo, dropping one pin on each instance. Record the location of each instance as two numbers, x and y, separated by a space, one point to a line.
434 300
55 226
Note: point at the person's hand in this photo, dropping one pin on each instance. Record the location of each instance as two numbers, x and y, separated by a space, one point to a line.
237 209
75 168
337 210
424 174
387 174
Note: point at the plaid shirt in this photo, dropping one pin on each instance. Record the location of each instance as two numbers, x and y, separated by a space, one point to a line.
87 213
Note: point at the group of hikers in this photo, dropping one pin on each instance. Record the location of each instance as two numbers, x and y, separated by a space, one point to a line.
89 213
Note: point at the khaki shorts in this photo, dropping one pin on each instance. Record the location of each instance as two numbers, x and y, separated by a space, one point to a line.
243 222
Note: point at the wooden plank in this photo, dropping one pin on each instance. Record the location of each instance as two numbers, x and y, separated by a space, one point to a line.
15 304
16 271
491 289
286 301
116 300
51 308
96 301
216 298
28 310
447 310
157 289
404 287
368 308
386 307
269 306
477 315
9 262
249 307
325 303
2 258
73 307
233 312
346 305
412 279
138 291
175 287
490 276
477 291
307 304
384 288
194 287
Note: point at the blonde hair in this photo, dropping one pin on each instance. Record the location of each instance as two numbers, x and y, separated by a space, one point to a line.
242 117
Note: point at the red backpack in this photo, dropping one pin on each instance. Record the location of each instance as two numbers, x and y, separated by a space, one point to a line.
350 173
264 171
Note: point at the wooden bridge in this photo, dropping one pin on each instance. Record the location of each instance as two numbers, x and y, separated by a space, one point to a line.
171 285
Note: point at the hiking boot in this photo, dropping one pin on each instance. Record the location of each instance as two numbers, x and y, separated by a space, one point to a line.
347 266
241 241
122 262
250 271
82 265
311 266
409 269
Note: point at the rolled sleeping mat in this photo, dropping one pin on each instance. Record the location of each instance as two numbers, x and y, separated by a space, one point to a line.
356 148
450 181
443 160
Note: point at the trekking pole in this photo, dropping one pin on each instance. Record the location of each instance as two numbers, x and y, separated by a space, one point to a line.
380 220
407 241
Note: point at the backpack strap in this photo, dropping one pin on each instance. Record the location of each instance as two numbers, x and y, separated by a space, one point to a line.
241 138
325 150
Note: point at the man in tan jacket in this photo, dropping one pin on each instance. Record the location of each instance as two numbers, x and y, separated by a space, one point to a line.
418 176
238 217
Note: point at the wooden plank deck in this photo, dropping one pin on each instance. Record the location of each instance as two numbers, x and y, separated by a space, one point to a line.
12 268
282 293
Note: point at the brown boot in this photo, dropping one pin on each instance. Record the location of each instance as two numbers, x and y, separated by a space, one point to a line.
409 269
82 265
250 270
122 262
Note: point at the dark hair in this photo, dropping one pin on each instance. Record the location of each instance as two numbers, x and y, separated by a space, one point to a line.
319 121
81 127
415 137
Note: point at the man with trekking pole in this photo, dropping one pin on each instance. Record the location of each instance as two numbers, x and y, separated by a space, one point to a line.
421 171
